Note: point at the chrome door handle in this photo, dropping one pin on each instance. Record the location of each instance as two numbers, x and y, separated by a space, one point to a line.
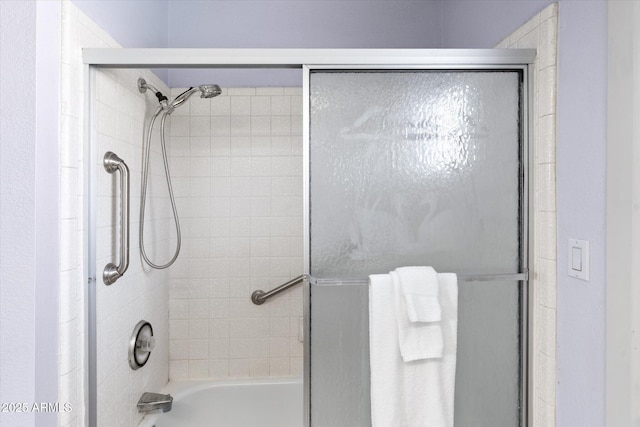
111 271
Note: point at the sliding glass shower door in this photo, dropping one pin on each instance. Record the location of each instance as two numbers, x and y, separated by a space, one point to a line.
418 167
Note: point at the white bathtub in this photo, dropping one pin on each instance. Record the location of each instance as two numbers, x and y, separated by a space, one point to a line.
251 403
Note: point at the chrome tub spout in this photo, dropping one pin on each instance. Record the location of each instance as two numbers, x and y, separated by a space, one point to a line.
152 401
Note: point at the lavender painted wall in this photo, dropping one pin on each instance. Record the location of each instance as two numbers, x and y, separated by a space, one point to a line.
17 209
28 212
130 23
580 180
304 24
295 24
582 101
269 24
484 23
265 24
29 208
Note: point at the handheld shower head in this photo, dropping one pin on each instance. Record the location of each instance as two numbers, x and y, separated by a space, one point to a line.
206 91
209 91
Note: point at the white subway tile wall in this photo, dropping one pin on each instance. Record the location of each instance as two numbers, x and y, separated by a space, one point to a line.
236 163
541 33
141 294
72 340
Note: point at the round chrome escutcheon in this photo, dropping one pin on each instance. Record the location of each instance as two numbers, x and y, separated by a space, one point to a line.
141 344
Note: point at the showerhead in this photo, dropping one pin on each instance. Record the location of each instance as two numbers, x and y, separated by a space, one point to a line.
209 91
206 91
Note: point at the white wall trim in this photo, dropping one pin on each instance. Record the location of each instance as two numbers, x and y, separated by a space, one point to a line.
47 208
623 215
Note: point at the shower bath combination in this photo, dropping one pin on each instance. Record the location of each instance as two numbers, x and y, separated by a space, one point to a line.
165 108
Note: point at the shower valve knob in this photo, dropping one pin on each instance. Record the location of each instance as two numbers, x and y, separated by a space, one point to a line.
146 344
140 344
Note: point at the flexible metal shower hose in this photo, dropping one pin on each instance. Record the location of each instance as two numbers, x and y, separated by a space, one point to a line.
143 195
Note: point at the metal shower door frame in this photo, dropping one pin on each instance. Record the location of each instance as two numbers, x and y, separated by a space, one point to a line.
526 210
306 60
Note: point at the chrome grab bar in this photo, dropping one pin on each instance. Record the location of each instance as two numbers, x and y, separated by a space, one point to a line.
112 272
259 297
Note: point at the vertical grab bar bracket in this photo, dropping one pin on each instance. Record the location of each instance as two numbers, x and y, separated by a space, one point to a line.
111 271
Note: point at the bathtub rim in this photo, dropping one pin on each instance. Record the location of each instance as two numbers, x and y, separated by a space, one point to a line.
181 389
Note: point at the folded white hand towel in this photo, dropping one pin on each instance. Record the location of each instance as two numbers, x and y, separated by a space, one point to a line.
420 289
417 340
418 393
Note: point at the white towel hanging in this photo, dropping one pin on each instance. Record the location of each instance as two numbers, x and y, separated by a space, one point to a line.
419 393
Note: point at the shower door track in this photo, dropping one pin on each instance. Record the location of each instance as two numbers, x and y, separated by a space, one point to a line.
297 58
305 60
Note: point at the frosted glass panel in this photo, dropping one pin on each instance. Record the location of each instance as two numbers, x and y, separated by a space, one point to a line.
409 168
488 359
416 168
340 386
